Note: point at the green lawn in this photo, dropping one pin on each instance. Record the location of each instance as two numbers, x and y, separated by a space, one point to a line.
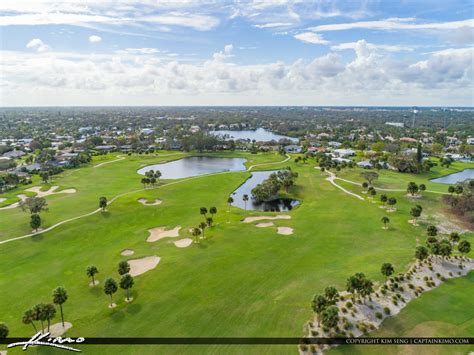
241 281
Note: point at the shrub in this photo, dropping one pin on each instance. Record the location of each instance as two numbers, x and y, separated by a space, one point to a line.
348 304
344 310
386 310
314 333
411 286
378 315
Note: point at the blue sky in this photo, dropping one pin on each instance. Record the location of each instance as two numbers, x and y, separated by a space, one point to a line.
281 52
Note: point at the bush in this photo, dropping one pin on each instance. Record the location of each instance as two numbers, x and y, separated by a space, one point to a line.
378 315
386 310
348 304
411 286
344 310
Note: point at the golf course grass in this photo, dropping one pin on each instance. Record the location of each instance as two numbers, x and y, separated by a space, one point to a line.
240 281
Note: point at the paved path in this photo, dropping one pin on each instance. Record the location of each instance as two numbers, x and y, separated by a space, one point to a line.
278 162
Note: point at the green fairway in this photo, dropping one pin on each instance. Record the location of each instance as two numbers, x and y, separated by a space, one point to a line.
242 281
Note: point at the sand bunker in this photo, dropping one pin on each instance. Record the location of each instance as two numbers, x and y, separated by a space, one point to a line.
15 204
127 252
58 330
2 199
285 230
51 191
161 232
95 283
259 218
183 243
265 224
145 202
140 266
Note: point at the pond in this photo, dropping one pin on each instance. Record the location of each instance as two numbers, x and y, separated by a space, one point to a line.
278 205
194 166
455 177
259 135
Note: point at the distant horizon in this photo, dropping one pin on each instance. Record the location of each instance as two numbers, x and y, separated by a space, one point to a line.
257 106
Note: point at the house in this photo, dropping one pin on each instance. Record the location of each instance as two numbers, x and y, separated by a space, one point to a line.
333 144
470 140
147 131
365 164
292 148
105 147
13 154
408 140
344 152
341 160
395 124
29 168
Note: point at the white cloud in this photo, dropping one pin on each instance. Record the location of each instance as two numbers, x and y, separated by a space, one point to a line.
311 37
372 46
395 24
95 39
274 24
38 45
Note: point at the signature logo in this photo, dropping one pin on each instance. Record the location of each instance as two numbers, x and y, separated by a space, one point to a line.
40 339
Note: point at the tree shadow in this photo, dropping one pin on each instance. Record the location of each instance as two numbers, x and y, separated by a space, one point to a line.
117 315
37 238
134 308
105 214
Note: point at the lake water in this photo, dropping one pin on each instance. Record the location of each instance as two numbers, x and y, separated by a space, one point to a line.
194 166
260 135
455 177
246 189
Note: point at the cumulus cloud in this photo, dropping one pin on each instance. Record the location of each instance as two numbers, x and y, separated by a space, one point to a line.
95 39
273 25
37 45
311 37
372 46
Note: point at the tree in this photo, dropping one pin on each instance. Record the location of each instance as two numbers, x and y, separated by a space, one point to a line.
383 199
412 188
110 287
34 205
454 237
123 268
365 185
366 288
91 271
103 203
49 313
3 331
196 233
29 318
415 213
392 201
209 221
387 269
330 317
451 190
203 211
331 295
432 231
60 297
422 187
245 198
230 201
372 192
213 211
40 314
355 284
458 190
370 176
464 247
35 222
385 220
44 175
126 283
203 226
421 253
319 304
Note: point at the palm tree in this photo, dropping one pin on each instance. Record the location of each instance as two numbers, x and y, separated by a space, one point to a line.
126 283
209 221
464 247
387 269
451 190
60 297
454 237
245 198
319 304
203 226
392 201
203 211
123 268
49 313
415 213
432 231
230 201
28 318
110 287
4 331
213 211
91 271
412 188
383 199
422 187
385 220
103 203
39 314
196 233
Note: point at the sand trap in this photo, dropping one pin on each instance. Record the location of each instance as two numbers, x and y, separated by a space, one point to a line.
183 243
264 224
285 230
2 199
113 305
15 204
413 196
58 330
259 218
127 252
161 232
140 266
96 282
145 202
51 191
